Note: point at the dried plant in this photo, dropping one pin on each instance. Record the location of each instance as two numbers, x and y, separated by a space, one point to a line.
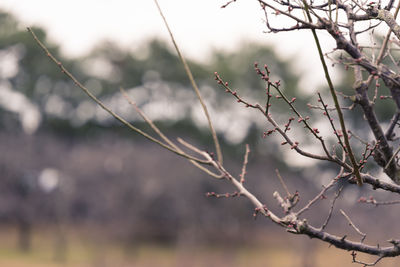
346 21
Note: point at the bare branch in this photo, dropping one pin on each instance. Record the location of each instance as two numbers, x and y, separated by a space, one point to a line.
343 243
317 197
376 203
354 226
194 85
166 139
393 122
228 3
365 263
370 63
386 16
379 184
245 161
337 194
337 106
282 182
294 144
363 100
303 22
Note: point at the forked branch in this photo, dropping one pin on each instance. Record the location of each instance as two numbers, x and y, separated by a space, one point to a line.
316 17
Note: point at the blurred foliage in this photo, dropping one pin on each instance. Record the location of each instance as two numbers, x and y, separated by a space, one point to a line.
238 68
101 177
109 67
18 46
127 68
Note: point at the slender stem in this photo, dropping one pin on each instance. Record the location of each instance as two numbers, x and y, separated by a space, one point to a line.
383 49
165 138
387 37
392 158
317 197
303 120
194 85
353 225
335 100
282 182
245 161
331 209
393 123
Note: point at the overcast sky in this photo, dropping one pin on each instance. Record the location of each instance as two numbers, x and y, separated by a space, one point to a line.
198 26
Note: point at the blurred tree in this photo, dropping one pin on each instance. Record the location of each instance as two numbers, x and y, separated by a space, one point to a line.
30 84
49 96
143 76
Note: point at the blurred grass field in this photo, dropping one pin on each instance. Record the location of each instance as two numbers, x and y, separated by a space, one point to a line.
81 250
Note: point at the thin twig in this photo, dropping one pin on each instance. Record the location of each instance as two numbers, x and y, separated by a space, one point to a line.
194 85
383 49
335 100
357 137
282 182
393 123
326 113
376 203
331 209
294 144
354 226
392 158
245 161
317 197
228 3
304 120
259 207
365 264
387 37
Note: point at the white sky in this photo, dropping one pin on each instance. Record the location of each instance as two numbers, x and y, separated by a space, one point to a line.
198 26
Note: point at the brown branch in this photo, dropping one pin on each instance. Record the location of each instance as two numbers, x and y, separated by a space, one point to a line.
326 113
282 183
294 144
375 126
386 16
343 243
317 197
228 3
353 226
376 203
365 263
393 122
377 183
287 14
331 208
291 223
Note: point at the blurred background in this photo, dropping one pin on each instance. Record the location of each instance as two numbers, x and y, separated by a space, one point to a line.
79 189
